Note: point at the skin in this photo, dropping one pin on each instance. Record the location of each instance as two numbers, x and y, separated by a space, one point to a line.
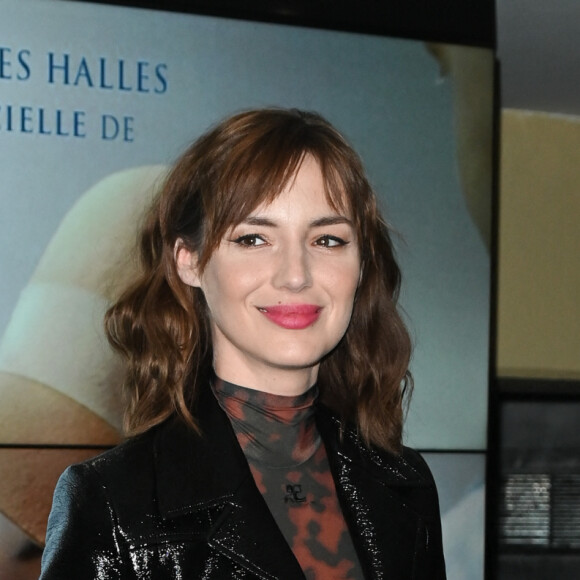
296 250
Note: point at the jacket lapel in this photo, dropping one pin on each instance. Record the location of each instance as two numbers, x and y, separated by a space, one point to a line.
378 494
207 477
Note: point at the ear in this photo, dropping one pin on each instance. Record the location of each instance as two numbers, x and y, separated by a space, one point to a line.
186 262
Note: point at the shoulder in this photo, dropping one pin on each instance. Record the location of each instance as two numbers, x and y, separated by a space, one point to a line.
415 461
125 457
82 525
123 477
404 469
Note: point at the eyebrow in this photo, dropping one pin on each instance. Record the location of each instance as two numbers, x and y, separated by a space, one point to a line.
319 222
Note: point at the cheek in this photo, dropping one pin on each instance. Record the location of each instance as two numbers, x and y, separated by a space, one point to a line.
351 284
226 286
345 280
342 287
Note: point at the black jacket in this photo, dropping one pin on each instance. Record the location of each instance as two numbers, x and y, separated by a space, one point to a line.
171 505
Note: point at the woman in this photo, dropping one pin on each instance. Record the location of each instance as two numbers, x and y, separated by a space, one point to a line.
267 366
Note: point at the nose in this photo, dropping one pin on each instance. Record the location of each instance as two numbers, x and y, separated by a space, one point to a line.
293 270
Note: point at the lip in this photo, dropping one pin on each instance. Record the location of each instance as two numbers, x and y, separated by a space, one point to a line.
292 316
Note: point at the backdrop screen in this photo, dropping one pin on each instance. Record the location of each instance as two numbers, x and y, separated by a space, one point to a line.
97 101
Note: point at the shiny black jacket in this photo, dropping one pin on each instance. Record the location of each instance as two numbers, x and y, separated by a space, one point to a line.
171 505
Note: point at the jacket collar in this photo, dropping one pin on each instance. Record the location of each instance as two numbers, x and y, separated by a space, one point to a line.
343 441
208 475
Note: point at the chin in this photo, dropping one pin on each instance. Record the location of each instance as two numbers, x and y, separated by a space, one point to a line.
297 360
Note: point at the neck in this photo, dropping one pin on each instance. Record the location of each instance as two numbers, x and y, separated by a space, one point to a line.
273 430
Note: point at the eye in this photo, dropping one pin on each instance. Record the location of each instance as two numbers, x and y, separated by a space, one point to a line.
328 241
250 240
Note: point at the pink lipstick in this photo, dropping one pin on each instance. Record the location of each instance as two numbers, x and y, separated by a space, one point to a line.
292 316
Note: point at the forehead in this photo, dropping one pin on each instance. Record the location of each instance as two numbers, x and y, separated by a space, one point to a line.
306 192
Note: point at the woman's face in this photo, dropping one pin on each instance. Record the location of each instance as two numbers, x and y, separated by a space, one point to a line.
280 287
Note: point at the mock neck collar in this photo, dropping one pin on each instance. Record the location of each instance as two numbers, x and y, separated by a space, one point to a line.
274 431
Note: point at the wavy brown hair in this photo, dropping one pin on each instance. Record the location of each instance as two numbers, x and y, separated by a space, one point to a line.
162 326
